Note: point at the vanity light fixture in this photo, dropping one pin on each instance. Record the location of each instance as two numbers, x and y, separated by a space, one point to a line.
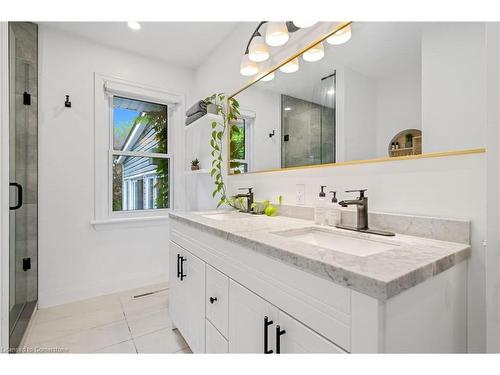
304 24
248 67
257 50
291 66
268 78
340 36
134 25
315 53
276 34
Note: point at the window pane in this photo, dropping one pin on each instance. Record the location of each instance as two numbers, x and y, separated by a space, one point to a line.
139 126
140 183
238 141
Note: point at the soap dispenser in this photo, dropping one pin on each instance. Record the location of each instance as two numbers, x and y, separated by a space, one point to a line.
333 213
321 207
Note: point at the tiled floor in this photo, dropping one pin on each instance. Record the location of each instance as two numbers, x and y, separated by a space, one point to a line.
116 323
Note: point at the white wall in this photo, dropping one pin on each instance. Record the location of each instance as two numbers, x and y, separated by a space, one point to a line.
453 86
4 183
398 107
356 113
75 260
493 187
444 187
265 150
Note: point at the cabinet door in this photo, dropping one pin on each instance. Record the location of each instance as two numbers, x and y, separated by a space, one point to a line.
175 295
193 290
247 313
297 338
216 343
187 296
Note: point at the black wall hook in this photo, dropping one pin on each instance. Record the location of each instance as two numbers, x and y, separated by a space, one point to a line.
67 103
271 134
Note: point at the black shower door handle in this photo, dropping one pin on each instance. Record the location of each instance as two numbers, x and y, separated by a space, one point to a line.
19 196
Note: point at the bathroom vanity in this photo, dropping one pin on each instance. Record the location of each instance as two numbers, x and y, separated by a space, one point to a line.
243 283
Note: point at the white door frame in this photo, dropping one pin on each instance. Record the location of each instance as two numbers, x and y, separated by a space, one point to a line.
4 186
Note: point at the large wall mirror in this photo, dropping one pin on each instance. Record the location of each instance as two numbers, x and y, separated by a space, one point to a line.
390 90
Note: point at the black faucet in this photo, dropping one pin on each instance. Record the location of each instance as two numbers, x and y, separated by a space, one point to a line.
248 196
361 204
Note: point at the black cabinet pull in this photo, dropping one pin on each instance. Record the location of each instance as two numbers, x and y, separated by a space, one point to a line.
19 203
178 265
183 275
213 299
267 323
279 332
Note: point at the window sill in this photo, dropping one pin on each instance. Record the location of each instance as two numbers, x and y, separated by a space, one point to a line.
130 222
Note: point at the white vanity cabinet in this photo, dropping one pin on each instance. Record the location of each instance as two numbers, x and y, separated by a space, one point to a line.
187 296
259 327
225 297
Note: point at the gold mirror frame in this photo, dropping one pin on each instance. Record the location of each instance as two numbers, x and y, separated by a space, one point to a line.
344 163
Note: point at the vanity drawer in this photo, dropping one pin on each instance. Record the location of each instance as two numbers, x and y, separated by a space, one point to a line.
217 291
216 343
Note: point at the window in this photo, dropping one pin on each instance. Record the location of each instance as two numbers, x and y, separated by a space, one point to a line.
133 152
140 162
240 146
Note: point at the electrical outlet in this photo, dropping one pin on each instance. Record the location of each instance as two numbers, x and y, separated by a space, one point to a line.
301 194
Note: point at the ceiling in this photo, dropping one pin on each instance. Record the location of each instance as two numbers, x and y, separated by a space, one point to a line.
178 43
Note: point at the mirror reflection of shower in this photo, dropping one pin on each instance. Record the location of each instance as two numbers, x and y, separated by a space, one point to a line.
308 126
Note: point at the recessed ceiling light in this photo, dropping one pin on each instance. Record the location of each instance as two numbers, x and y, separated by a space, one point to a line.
288 108
331 92
134 25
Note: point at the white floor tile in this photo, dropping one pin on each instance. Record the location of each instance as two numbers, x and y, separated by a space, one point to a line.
184 351
53 329
133 307
78 308
150 322
144 289
126 347
91 340
163 341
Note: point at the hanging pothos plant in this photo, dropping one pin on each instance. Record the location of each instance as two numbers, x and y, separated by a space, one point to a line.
229 111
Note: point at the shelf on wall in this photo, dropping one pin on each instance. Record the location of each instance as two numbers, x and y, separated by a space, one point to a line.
198 171
202 120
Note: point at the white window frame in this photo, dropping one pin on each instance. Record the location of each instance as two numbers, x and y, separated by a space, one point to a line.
105 88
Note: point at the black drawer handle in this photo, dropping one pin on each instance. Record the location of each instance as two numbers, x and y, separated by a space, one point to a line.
19 203
279 333
213 299
267 323
183 275
178 265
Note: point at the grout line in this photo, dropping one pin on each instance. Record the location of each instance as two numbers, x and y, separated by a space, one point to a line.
128 326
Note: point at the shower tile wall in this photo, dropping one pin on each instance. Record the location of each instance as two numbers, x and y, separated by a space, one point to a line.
26 154
311 131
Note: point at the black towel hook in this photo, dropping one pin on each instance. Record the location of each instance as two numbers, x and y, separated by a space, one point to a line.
67 103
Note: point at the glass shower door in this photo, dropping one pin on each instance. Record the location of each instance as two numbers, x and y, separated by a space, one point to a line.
23 171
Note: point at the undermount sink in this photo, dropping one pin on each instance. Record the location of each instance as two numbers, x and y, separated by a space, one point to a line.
338 241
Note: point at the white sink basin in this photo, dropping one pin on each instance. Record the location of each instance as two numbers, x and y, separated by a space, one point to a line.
338 241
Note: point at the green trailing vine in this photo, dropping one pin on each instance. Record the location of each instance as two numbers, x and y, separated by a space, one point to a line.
229 111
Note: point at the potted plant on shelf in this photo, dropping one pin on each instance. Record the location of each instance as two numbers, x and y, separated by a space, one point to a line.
195 164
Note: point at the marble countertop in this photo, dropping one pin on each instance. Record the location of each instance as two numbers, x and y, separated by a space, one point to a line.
410 261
